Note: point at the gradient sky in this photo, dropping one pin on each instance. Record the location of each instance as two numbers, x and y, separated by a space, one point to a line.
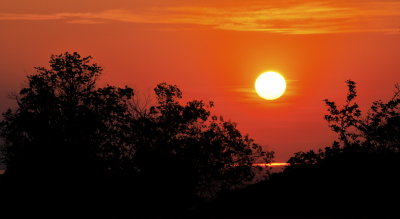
214 50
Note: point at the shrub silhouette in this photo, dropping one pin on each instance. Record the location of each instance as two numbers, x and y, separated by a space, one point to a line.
361 168
356 177
66 131
376 133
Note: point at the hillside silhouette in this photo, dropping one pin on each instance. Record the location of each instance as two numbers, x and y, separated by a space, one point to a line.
74 147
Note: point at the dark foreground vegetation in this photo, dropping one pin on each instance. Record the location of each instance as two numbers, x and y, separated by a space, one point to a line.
358 176
78 149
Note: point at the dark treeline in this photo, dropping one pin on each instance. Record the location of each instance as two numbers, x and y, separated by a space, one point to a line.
72 146
69 139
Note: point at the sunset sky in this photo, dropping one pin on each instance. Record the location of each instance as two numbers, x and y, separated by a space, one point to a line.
214 50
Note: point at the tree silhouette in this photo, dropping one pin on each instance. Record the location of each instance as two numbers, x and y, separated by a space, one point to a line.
182 146
67 128
356 177
377 132
381 127
63 123
361 167
342 119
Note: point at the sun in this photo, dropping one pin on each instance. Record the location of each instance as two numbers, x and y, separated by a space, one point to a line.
270 85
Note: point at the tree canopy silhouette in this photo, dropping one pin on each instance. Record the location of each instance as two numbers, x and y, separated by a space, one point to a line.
355 177
376 133
63 122
205 153
65 125
358 169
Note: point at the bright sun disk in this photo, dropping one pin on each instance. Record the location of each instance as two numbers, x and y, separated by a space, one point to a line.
270 85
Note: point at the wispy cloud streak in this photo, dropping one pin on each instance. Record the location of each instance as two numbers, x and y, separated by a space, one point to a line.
300 18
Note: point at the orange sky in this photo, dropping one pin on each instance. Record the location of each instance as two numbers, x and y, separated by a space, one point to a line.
214 50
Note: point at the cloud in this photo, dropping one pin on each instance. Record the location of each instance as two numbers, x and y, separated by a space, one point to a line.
109 15
295 18
27 17
85 21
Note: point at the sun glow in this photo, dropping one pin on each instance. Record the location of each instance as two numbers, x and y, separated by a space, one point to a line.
270 85
271 164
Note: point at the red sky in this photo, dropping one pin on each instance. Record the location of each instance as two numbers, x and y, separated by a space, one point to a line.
214 50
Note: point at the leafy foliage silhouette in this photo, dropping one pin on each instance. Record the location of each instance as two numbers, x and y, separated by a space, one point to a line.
66 131
362 166
376 133
63 123
213 153
356 177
